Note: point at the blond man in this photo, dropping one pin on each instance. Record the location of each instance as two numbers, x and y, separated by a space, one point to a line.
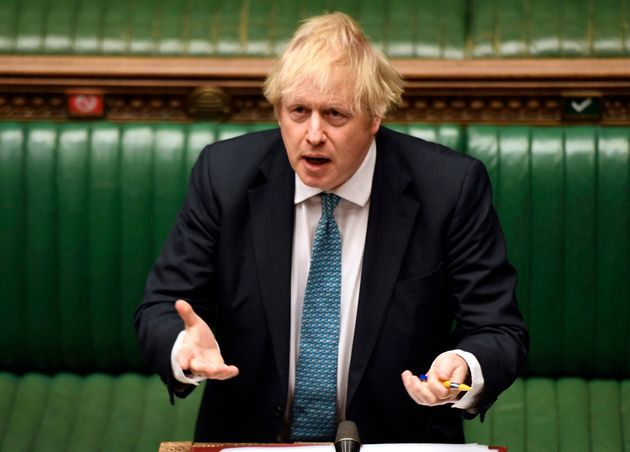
416 247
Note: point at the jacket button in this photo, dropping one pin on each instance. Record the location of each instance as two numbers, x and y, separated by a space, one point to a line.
277 411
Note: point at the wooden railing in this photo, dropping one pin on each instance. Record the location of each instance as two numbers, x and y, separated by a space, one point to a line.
531 91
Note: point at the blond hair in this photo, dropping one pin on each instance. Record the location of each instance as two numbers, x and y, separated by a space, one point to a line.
331 49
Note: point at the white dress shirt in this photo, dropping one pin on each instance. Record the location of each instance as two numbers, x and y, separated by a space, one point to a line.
351 216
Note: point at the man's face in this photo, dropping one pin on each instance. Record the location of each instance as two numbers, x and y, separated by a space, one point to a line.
325 143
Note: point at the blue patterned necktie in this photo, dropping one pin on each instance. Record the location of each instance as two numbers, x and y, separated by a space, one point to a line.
315 398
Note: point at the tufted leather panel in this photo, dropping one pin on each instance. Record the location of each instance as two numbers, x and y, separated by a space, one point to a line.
219 28
67 412
84 210
543 28
568 414
427 28
563 196
449 135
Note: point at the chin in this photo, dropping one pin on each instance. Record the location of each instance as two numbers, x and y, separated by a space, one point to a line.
316 182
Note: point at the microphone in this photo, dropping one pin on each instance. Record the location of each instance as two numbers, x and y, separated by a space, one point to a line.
347 439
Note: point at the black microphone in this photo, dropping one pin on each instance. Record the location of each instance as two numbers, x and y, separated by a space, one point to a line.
347 439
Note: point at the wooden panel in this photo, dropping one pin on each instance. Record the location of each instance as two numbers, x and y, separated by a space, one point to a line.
523 91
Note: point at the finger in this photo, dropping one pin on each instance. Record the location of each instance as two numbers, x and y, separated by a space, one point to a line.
186 313
205 362
215 371
435 386
419 391
410 386
429 393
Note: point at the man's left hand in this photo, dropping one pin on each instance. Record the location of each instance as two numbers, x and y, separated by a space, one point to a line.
447 366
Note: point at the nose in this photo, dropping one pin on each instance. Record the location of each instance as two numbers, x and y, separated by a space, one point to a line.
315 133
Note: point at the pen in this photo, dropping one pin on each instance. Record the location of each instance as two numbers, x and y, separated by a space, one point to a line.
459 386
448 384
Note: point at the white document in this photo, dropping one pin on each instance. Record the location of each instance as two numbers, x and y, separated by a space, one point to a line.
370 448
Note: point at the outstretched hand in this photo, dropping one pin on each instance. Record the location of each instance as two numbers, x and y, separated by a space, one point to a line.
447 366
199 353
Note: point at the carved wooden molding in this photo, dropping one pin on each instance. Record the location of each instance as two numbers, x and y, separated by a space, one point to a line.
533 91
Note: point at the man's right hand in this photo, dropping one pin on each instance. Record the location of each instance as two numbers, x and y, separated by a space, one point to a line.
199 353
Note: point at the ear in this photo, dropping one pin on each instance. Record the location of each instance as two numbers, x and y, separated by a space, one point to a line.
376 123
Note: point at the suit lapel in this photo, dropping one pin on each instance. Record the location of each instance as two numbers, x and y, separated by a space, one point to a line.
271 208
391 220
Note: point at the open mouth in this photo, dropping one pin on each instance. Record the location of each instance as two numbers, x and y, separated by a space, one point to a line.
316 160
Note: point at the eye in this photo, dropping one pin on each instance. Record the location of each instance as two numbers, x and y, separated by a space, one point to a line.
298 112
336 117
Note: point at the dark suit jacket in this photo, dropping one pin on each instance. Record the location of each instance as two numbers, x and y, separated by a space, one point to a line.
435 277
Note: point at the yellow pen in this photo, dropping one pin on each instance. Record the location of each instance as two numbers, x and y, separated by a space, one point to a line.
459 386
448 384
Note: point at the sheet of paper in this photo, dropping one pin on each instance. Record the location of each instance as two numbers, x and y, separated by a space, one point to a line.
371 448
324 448
423 447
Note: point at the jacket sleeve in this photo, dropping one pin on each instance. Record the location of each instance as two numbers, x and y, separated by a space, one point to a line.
184 269
482 287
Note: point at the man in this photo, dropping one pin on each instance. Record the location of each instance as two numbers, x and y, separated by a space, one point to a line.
412 246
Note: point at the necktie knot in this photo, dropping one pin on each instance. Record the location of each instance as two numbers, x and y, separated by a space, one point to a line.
329 202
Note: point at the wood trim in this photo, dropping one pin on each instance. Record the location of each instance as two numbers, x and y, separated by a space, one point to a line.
533 91
133 67
257 68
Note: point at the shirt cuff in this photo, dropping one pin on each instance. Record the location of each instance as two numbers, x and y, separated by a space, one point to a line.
470 400
178 372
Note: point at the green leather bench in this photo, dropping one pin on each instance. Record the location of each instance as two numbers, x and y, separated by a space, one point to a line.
97 411
452 29
84 208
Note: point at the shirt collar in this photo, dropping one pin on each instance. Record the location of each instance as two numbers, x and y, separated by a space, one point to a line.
357 189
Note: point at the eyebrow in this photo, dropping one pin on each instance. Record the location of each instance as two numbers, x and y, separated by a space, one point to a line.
322 107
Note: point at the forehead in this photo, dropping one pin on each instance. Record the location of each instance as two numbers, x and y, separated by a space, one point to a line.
309 95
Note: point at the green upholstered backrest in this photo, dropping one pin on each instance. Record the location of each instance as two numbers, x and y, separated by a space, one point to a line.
566 414
548 28
70 413
563 196
85 208
424 28
218 28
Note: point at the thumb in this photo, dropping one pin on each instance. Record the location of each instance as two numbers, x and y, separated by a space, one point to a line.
186 313
451 366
